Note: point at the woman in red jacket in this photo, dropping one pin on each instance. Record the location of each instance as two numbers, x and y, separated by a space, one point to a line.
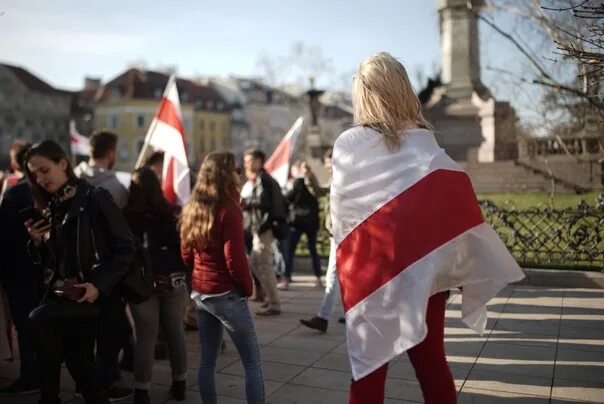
211 231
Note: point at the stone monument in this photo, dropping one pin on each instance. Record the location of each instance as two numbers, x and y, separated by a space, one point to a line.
470 124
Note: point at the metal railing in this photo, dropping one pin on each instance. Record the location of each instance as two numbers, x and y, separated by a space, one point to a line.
539 237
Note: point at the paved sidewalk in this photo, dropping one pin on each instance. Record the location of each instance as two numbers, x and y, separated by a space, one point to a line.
543 345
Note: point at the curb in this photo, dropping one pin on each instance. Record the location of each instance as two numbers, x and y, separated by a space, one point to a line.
562 278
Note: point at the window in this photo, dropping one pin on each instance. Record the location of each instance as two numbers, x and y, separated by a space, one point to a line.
212 126
210 104
157 93
140 121
184 97
113 121
220 106
202 125
187 125
123 146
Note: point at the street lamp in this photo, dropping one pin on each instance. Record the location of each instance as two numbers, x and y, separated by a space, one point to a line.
314 138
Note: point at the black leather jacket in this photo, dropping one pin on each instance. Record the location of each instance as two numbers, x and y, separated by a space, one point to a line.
101 255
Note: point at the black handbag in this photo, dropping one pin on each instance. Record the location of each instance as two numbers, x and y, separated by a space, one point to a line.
137 285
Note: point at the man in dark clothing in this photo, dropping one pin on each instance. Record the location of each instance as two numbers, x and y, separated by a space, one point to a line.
21 278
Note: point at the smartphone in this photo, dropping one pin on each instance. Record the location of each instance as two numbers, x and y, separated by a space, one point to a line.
30 213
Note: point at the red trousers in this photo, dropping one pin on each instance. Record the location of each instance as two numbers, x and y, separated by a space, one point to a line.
428 360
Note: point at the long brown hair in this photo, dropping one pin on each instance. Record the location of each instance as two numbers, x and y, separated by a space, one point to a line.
146 195
215 185
52 151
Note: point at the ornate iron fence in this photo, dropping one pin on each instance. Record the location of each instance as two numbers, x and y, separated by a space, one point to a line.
540 236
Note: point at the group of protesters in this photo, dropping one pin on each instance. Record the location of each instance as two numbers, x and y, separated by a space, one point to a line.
78 249
71 234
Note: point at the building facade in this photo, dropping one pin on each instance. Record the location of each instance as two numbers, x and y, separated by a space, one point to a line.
31 109
128 103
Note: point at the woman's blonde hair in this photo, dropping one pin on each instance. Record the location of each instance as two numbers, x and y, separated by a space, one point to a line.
383 98
215 185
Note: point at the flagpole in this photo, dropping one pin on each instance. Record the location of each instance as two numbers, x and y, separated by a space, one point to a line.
151 130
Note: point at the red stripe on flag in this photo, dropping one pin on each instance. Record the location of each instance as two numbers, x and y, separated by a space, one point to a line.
433 211
279 157
168 183
167 113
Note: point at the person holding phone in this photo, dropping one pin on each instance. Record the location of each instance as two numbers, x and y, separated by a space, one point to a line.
85 247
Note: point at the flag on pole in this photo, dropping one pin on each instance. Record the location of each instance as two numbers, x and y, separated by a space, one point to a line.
407 225
167 134
278 163
80 144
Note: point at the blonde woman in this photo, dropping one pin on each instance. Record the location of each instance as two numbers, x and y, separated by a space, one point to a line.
211 232
407 228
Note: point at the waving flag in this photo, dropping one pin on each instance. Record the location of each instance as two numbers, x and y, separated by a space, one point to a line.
407 225
80 144
278 163
167 134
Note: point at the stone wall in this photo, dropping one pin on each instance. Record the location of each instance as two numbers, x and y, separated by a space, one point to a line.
586 174
508 177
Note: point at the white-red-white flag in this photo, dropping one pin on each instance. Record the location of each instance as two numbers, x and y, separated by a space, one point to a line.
278 163
167 134
80 144
407 225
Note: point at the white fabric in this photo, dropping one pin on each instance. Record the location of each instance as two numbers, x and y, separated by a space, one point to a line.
165 137
277 164
79 144
366 176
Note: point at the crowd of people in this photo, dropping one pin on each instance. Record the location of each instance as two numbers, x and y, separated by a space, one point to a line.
70 235
92 271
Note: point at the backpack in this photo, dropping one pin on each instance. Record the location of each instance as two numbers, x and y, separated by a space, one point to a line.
278 211
137 284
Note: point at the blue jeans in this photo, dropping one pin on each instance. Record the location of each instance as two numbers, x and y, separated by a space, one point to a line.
228 311
332 284
292 243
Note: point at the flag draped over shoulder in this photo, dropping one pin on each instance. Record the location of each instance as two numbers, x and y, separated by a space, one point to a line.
166 133
407 225
278 163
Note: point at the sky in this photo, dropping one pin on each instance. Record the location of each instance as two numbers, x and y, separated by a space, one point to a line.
62 41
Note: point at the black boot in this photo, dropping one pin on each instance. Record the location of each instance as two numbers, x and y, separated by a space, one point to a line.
178 390
316 323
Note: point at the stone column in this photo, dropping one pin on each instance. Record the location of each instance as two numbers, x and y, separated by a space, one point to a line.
459 46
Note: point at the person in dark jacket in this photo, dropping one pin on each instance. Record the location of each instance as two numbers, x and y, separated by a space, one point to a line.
265 209
21 278
153 219
211 231
85 247
303 219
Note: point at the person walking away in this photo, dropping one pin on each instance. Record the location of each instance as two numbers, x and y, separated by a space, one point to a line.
407 228
332 285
